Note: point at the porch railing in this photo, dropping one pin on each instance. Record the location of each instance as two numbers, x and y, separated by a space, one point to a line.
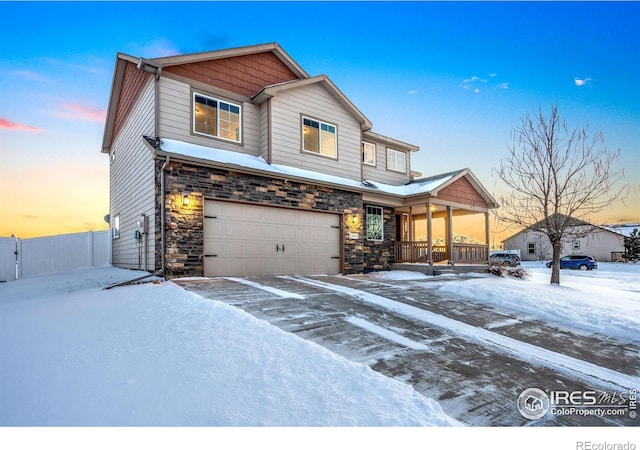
417 252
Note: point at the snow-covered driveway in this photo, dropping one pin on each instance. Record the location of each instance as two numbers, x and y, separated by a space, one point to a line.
454 339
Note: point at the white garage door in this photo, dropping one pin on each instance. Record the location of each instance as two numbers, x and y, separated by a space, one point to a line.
244 240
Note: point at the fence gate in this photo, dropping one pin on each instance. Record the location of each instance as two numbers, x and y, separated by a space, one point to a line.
8 260
23 257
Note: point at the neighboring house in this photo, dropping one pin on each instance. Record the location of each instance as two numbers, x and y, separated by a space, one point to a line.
601 242
237 162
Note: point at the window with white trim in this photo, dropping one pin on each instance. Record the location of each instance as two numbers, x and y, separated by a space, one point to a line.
369 153
115 226
218 118
319 137
396 160
375 224
576 244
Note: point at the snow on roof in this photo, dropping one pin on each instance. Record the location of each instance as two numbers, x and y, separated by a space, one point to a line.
623 229
421 186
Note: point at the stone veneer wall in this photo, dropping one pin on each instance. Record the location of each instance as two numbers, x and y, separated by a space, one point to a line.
185 228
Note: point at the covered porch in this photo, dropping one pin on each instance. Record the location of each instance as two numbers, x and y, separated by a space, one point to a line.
445 223
425 234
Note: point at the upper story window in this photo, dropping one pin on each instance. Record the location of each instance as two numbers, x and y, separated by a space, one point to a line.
369 153
396 160
215 117
319 137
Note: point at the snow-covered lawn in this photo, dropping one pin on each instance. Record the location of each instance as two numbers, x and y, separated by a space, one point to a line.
74 354
155 354
605 300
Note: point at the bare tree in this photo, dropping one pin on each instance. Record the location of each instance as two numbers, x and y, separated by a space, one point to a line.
558 177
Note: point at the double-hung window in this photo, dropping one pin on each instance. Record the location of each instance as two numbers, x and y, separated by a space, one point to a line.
531 248
396 160
319 137
375 227
369 153
214 117
115 226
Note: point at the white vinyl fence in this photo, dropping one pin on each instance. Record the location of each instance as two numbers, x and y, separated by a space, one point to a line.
24 257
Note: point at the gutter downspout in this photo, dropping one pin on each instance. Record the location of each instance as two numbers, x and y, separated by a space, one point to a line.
162 216
144 65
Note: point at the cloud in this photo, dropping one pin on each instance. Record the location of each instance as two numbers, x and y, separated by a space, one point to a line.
91 68
581 81
76 111
6 123
33 76
412 92
475 84
156 48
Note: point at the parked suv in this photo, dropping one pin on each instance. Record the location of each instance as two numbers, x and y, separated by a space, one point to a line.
582 262
504 259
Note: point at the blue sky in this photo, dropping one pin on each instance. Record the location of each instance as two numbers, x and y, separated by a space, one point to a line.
451 77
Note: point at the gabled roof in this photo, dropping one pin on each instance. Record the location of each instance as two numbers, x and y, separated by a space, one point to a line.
271 91
155 66
571 222
168 61
371 136
434 184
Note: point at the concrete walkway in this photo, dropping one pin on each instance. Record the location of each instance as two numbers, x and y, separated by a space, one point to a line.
474 359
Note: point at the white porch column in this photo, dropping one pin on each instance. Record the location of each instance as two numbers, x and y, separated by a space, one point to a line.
487 236
429 235
411 225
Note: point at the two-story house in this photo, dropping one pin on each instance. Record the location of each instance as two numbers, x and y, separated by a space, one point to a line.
237 162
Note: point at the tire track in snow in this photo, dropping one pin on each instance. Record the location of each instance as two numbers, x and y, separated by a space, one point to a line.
584 370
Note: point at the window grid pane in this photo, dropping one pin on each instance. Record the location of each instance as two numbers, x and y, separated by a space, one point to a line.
396 161
375 228
368 153
216 118
319 137
311 131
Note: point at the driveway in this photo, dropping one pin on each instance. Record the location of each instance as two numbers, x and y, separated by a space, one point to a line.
474 359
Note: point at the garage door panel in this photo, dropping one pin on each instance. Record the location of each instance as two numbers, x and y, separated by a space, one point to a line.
269 231
289 233
249 240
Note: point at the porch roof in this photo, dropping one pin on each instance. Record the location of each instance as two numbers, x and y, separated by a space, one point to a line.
200 154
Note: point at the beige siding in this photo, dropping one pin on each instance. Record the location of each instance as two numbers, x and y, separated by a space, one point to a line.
264 130
175 119
599 244
380 172
132 183
316 102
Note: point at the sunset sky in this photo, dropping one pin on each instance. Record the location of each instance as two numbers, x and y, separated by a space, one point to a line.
453 78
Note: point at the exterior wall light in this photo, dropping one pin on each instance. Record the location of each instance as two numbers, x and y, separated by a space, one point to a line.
186 201
354 219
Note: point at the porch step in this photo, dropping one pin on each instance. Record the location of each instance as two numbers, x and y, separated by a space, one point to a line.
443 271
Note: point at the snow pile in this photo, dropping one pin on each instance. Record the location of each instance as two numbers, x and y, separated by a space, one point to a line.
74 354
